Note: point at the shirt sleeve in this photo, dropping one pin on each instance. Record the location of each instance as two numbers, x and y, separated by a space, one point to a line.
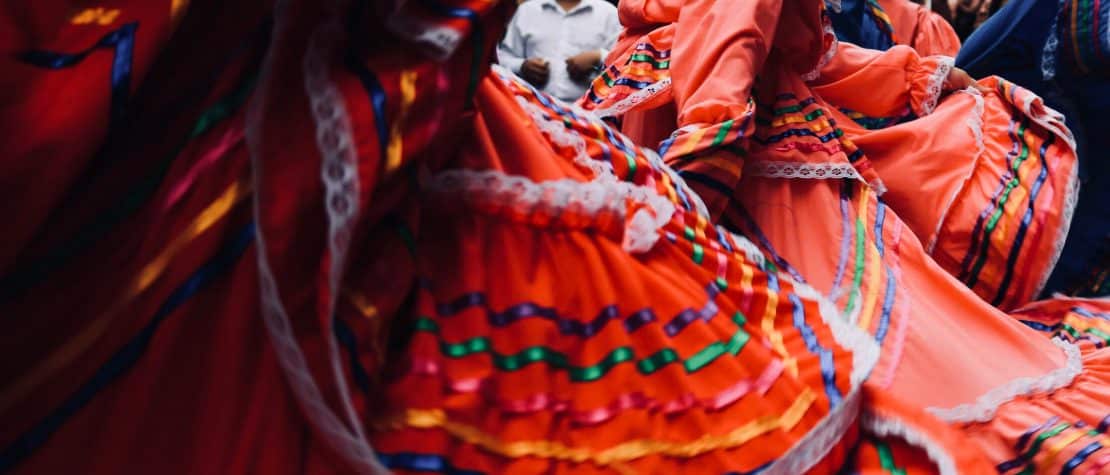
612 32
511 51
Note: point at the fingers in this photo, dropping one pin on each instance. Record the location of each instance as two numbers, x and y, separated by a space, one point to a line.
534 72
958 79
572 68
575 69
536 65
537 79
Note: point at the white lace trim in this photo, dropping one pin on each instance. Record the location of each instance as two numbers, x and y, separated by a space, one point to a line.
635 99
878 186
984 408
560 135
975 123
348 441
885 427
597 198
811 171
657 162
642 229
339 174
803 170
817 443
1048 54
829 53
751 251
865 350
935 86
1052 119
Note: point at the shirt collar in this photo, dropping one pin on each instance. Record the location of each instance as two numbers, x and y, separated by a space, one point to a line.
582 6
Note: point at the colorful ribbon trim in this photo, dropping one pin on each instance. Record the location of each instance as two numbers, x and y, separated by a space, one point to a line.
558 360
624 452
541 402
572 326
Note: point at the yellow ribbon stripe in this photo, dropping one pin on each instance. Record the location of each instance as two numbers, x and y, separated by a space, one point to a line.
99 16
624 452
693 140
363 304
396 135
1061 444
867 312
777 344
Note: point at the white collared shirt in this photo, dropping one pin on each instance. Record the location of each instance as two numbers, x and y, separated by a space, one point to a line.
542 29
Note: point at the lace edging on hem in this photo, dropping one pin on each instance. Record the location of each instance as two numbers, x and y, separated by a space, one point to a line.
632 100
817 443
935 85
985 407
830 52
882 427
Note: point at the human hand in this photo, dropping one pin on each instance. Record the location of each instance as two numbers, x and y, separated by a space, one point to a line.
581 65
535 71
959 80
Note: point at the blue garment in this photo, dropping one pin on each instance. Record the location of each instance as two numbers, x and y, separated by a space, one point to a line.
857 23
1012 44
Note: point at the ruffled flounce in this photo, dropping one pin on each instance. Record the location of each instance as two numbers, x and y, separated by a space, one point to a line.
1002 228
560 351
